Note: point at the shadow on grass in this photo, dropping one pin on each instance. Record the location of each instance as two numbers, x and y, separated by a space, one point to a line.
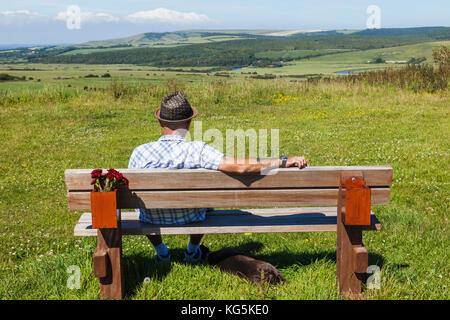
286 258
137 267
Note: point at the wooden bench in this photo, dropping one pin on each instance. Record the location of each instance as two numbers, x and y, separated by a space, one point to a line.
314 199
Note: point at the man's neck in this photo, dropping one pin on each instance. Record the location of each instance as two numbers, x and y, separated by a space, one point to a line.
179 132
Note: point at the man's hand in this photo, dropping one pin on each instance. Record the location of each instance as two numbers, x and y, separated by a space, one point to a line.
296 162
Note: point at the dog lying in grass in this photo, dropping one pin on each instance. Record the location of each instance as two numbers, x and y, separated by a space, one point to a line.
231 261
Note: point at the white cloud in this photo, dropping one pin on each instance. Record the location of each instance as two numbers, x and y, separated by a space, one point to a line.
163 15
21 17
89 17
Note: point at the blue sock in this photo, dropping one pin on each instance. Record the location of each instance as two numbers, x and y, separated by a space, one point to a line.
161 249
192 247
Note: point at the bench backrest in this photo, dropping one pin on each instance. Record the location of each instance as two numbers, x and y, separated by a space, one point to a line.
202 188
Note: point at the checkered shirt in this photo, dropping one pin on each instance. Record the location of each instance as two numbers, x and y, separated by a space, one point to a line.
174 152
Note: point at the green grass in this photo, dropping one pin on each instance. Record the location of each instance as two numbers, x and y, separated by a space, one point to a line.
45 130
90 50
75 76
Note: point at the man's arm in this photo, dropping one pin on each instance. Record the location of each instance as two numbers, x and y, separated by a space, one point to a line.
245 166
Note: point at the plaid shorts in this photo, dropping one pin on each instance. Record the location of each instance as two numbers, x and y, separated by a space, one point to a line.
172 216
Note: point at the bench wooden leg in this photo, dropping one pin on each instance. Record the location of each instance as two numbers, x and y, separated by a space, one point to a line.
351 261
107 263
351 255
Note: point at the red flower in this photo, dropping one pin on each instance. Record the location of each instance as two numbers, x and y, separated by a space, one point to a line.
109 181
97 173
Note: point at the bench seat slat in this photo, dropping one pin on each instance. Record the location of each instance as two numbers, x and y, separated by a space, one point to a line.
234 221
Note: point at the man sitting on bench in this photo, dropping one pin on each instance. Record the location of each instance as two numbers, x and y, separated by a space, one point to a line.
173 151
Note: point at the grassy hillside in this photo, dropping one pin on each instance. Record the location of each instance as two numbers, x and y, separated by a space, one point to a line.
171 38
194 36
47 129
401 53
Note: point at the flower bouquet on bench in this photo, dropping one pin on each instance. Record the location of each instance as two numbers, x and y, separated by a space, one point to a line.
104 197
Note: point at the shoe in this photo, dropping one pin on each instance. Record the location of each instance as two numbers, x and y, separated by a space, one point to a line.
162 259
193 257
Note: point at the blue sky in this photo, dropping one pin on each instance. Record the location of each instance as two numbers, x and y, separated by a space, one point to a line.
44 22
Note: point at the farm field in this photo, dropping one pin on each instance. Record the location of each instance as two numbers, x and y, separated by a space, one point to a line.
400 53
75 75
352 60
47 127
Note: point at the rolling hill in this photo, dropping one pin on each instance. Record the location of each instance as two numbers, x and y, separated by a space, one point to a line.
239 52
151 39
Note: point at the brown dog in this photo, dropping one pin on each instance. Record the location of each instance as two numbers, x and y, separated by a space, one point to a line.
231 261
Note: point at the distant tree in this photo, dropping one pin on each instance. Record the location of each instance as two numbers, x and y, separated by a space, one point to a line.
416 60
441 56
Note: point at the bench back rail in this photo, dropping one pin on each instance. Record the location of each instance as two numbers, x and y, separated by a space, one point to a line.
201 188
